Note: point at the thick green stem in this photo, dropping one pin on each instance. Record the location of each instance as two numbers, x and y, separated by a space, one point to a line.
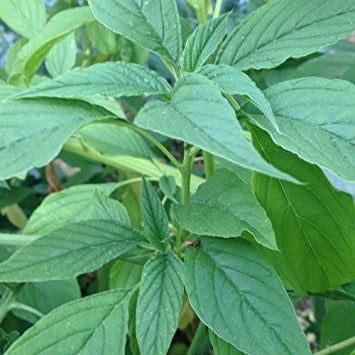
199 335
336 347
209 164
218 8
7 299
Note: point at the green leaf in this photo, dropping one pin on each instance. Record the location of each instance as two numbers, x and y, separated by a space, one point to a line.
27 18
153 24
74 249
10 196
203 43
11 55
313 223
106 79
159 303
316 121
338 324
221 347
167 185
38 130
224 206
76 204
62 56
155 219
237 294
194 99
114 140
286 29
33 53
96 324
7 91
233 82
125 275
44 297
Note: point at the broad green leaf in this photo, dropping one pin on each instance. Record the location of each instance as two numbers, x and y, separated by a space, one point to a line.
153 24
92 325
286 29
62 56
76 204
200 115
33 53
243 173
114 140
221 347
155 219
125 275
11 55
313 223
38 130
7 91
46 296
203 43
10 196
159 303
74 249
167 185
224 206
338 324
316 120
27 18
237 294
106 79
233 82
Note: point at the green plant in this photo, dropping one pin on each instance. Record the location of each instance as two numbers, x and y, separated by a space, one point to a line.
229 237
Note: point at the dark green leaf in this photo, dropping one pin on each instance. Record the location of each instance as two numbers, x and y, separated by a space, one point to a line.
14 195
125 275
221 347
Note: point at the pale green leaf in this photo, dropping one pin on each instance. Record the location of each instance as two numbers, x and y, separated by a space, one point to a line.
313 223
125 275
11 55
38 130
33 53
76 204
27 18
221 347
203 43
153 24
159 303
61 58
155 219
74 249
286 28
7 91
237 294
233 82
114 140
198 114
224 206
93 325
106 79
316 120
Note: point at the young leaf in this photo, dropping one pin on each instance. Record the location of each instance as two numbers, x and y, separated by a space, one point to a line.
194 99
224 206
235 292
155 220
106 79
203 43
221 347
114 140
96 324
38 131
62 56
33 53
315 117
313 223
159 303
153 24
286 28
125 275
74 249
233 82
27 18
76 204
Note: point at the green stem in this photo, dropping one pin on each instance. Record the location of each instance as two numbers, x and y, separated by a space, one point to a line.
196 341
232 101
209 164
24 307
336 347
16 240
7 299
218 8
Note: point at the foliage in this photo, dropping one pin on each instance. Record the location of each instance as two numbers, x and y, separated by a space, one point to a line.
164 177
